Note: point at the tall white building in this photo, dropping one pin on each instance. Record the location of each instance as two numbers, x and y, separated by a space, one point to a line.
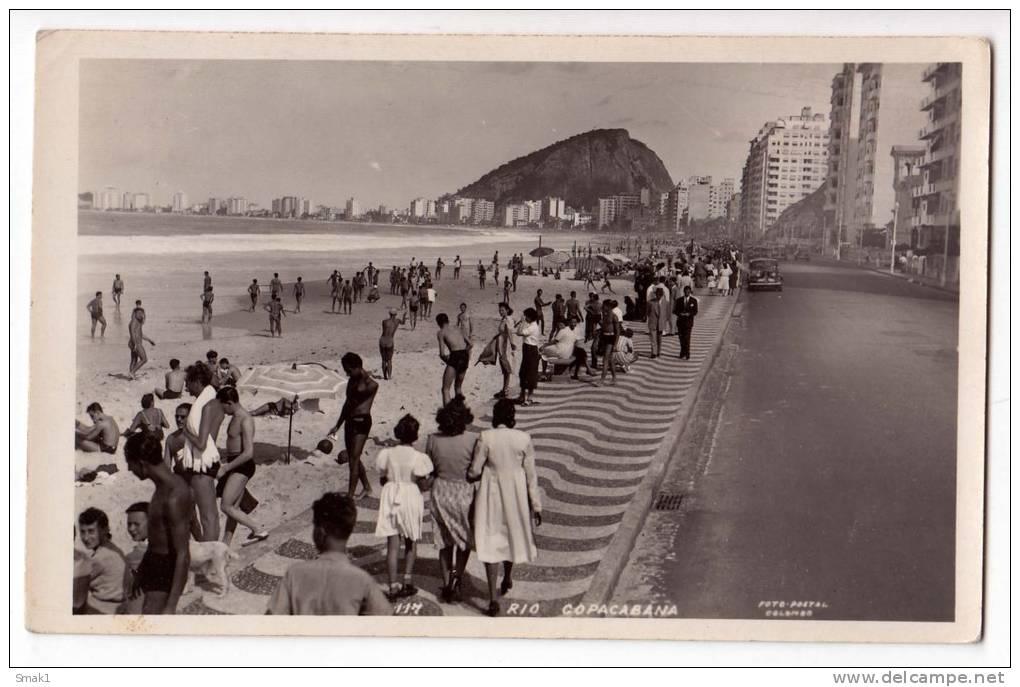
109 198
353 209
179 202
237 206
554 208
419 208
719 198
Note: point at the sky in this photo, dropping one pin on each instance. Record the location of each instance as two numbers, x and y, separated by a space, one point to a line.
387 132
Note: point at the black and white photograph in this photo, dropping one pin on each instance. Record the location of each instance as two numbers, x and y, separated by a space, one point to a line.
551 339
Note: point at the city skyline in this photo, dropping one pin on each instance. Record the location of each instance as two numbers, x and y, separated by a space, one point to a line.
197 133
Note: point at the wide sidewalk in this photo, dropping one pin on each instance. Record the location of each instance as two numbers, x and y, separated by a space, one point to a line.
598 447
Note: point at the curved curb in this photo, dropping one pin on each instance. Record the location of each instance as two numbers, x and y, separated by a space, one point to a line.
616 556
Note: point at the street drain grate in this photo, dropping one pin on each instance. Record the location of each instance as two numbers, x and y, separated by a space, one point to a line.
667 501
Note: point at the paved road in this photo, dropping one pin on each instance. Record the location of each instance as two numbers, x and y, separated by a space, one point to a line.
593 444
819 465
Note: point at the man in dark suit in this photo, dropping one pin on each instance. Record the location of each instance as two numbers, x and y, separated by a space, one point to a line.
685 309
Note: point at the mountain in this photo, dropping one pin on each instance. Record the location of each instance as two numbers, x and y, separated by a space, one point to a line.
579 169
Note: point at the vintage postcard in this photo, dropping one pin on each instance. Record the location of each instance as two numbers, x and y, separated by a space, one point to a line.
620 337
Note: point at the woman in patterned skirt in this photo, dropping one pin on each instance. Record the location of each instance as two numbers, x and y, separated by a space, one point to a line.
451 450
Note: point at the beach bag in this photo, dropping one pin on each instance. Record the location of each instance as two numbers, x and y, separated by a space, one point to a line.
490 353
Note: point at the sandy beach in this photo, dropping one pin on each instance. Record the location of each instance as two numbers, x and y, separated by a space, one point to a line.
169 285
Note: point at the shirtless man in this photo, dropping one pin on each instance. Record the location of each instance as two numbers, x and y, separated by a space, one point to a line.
276 286
455 351
238 467
95 308
173 380
389 329
439 268
200 460
275 310
347 297
102 436
464 323
207 301
356 419
118 289
206 282
456 267
539 308
163 572
299 294
254 290
481 275
136 341
335 285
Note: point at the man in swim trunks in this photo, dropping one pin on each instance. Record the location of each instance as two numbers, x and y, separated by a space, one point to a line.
347 297
95 308
481 275
276 286
118 289
389 329
102 436
238 468
275 310
201 459
174 381
455 351
356 418
206 282
335 286
163 571
539 305
254 290
299 293
439 268
207 301
456 267
136 341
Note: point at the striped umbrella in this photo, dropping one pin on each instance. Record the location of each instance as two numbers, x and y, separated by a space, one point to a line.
307 380
297 380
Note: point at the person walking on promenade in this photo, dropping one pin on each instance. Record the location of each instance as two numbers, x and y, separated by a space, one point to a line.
654 323
724 279
529 331
539 311
329 584
508 503
402 472
685 309
451 450
734 276
607 341
505 347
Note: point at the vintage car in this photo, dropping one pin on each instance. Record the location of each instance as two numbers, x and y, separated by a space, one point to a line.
763 273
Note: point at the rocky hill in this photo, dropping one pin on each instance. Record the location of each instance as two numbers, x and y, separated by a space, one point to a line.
580 169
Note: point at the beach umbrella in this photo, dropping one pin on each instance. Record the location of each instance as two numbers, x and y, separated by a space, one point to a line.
296 380
558 257
541 252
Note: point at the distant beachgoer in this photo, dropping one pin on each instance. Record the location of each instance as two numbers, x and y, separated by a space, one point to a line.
163 571
505 347
455 351
402 472
329 585
109 575
356 419
254 290
507 289
405 288
200 461
539 310
101 437
95 308
238 467
336 286
528 329
136 342
481 275
495 274
456 267
450 450
514 274
589 284
207 301
606 284
138 311
299 294
276 286
412 308
173 381
559 312
373 294
654 321
574 308
386 342
206 282
347 297
118 289
149 419
430 298
439 268
508 503
423 301
276 312
464 323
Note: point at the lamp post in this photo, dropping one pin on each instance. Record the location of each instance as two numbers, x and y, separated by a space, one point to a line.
892 258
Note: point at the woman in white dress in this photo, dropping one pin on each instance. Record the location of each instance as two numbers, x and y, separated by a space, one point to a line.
724 279
508 503
403 470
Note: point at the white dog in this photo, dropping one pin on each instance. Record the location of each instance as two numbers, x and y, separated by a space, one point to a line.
211 559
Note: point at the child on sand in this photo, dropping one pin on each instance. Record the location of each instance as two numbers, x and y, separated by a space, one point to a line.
401 506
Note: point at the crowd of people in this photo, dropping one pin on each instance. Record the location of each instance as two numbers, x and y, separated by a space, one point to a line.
484 495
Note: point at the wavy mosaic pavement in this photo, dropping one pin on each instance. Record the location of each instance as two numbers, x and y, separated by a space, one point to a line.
594 445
